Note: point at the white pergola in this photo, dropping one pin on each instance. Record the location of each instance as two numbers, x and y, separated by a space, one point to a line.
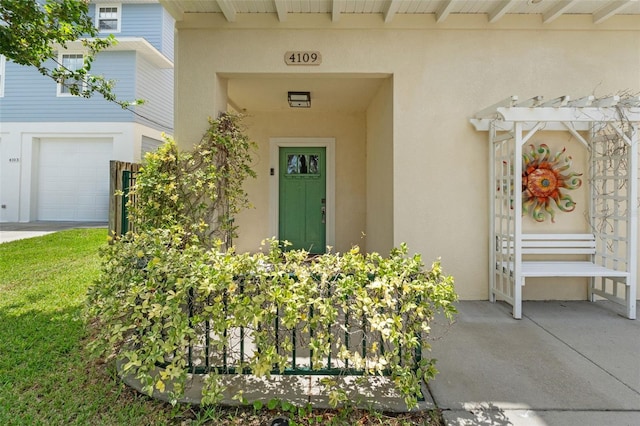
608 129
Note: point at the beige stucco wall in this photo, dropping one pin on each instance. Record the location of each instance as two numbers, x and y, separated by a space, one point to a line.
442 75
379 183
349 133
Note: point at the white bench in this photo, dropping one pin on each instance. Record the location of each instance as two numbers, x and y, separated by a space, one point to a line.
563 246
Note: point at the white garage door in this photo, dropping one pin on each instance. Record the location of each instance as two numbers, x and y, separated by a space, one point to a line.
73 179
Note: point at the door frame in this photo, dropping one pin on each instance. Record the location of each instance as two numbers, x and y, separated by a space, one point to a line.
274 193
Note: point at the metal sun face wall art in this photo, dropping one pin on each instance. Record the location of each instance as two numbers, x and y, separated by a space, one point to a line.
543 180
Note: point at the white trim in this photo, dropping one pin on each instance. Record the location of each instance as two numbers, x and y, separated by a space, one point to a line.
61 55
274 150
138 44
118 18
3 60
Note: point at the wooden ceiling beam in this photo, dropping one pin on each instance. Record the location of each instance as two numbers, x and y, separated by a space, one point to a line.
281 9
336 10
227 9
445 9
560 8
610 9
390 10
501 10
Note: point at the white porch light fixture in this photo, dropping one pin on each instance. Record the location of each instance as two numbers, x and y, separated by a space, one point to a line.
299 99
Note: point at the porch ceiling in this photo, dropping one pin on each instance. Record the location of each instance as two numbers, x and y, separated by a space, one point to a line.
329 93
549 10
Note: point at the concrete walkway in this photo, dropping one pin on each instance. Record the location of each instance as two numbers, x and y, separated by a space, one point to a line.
19 231
564 363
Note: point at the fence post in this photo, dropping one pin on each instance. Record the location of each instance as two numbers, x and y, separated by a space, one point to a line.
122 174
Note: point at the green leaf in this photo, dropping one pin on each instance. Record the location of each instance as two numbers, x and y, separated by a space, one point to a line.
287 406
272 404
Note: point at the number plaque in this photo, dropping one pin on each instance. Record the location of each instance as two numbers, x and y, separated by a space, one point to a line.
305 57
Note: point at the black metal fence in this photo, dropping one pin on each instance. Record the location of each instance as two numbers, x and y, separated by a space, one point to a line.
351 331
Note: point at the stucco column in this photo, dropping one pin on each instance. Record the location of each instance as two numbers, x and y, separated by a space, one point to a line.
200 94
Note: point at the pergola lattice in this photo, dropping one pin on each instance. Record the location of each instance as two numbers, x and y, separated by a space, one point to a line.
608 129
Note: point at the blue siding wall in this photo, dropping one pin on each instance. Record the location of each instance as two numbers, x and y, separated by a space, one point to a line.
168 30
31 97
155 86
143 20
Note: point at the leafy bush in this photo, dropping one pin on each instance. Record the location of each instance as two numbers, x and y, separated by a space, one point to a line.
157 301
175 295
199 191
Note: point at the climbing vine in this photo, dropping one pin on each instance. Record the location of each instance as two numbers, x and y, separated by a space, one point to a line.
198 191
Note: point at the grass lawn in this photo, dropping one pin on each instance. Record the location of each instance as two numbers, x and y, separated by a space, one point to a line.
46 375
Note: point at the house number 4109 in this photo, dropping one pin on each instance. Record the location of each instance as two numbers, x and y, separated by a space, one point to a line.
303 58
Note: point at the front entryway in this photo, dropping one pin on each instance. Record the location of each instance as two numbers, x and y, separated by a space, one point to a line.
302 198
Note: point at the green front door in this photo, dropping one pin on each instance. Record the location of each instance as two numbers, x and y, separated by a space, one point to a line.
302 208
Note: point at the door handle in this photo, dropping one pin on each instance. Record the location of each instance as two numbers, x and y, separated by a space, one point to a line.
323 210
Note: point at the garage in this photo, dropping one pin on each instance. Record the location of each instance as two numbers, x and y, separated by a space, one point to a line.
73 179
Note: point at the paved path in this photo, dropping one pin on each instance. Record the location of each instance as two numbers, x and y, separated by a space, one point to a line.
564 363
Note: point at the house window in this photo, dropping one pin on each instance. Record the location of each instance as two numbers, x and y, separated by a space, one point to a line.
108 18
72 62
2 61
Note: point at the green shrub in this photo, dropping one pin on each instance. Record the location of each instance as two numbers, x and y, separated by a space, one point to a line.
200 190
156 301
173 293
